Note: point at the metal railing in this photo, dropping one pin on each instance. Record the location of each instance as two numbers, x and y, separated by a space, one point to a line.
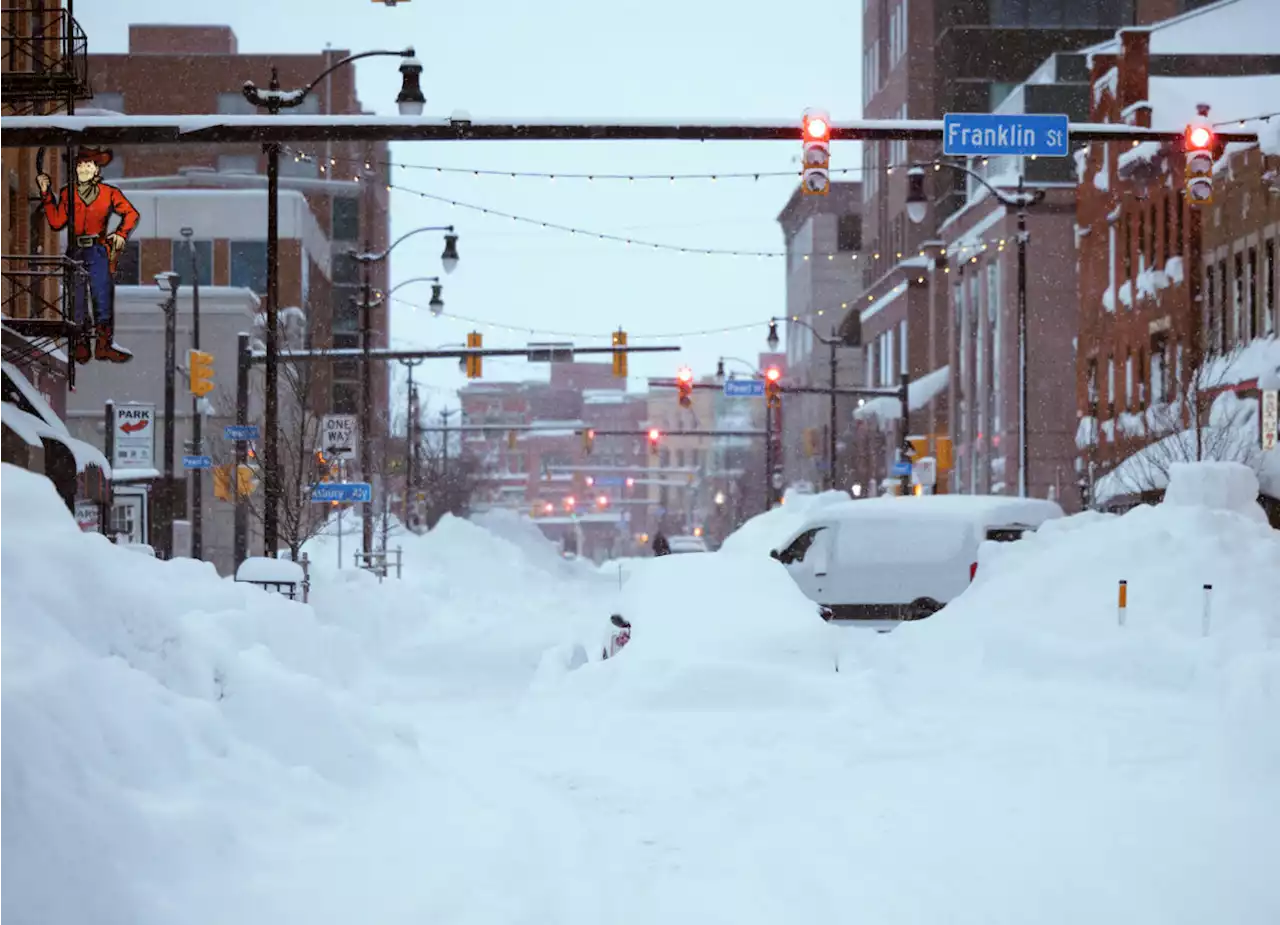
45 55
379 561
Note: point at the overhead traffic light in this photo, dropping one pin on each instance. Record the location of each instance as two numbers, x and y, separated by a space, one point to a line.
200 372
619 356
815 180
684 382
602 501
475 364
655 437
772 387
1200 152
588 441
919 448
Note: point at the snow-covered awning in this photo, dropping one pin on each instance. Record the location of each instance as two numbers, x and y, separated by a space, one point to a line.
919 394
33 420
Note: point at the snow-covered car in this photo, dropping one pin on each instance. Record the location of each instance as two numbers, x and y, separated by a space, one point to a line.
680 544
619 638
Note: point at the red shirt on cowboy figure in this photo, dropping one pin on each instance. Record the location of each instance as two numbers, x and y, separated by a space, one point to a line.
92 245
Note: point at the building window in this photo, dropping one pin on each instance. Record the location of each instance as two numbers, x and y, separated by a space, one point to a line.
111 102
249 266
1159 387
129 265
346 270
344 340
344 398
1091 383
1237 300
346 313
849 233
346 218
238 163
234 104
297 167
1253 290
1270 309
1128 380
181 256
346 370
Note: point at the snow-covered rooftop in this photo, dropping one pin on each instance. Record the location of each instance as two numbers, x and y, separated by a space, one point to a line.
1231 27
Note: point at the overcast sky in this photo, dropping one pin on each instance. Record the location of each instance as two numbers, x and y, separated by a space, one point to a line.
661 58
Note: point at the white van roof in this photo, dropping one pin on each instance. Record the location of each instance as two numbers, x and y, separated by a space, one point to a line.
989 510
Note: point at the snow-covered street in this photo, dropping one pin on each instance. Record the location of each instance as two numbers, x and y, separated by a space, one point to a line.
200 751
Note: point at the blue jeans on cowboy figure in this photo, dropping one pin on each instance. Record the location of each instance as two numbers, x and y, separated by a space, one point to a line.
102 292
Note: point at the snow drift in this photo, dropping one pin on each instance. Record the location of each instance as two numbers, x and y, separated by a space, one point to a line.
765 531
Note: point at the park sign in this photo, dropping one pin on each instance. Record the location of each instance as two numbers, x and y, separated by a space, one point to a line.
984 134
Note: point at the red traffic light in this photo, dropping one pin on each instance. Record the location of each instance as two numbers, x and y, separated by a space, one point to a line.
1199 137
570 501
816 128
685 374
773 374
654 435
602 501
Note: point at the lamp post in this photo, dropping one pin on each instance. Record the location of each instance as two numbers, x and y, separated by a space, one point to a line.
832 343
366 259
1018 202
274 99
168 281
197 420
437 288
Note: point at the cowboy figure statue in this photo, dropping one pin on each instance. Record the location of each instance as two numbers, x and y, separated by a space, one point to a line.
92 245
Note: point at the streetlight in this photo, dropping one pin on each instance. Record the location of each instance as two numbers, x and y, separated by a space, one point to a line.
832 343
168 282
197 420
1019 202
274 99
437 288
366 259
720 366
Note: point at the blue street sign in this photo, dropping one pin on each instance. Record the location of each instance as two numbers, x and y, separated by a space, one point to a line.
902 468
744 388
197 462
341 491
985 134
609 481
240 431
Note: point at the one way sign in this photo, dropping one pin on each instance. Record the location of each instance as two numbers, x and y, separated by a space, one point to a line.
339 436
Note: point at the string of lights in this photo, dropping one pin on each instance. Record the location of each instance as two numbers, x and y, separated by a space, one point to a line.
630 241
362 168
968 252
1264 117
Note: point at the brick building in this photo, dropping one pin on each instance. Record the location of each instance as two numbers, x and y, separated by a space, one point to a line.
198 70
922 60
1174 300
547 464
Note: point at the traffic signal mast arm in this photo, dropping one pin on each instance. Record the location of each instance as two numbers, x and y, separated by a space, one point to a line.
112 131
794 389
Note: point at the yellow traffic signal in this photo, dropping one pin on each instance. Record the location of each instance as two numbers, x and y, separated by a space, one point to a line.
919 448
511 439
943 452
222 483
619 357
588 441
200 371
245 483
475 364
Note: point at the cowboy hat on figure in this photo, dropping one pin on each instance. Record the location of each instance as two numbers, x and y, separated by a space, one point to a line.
93 246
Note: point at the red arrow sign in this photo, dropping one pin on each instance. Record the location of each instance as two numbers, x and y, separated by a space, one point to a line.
136 425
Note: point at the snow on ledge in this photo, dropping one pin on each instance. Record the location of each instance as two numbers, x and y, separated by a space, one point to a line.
919 394
264 569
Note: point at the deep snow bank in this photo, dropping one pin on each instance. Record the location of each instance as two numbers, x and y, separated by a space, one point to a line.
1045 608
152 713
715 630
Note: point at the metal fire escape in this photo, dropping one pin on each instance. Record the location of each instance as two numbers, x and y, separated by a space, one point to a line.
45 70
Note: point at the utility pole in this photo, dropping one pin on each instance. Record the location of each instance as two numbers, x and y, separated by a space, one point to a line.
831 426
241 543
197 419
1023 413
366 399
411 435
170 306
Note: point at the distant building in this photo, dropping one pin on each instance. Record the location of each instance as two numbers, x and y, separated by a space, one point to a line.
534 457
823 237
